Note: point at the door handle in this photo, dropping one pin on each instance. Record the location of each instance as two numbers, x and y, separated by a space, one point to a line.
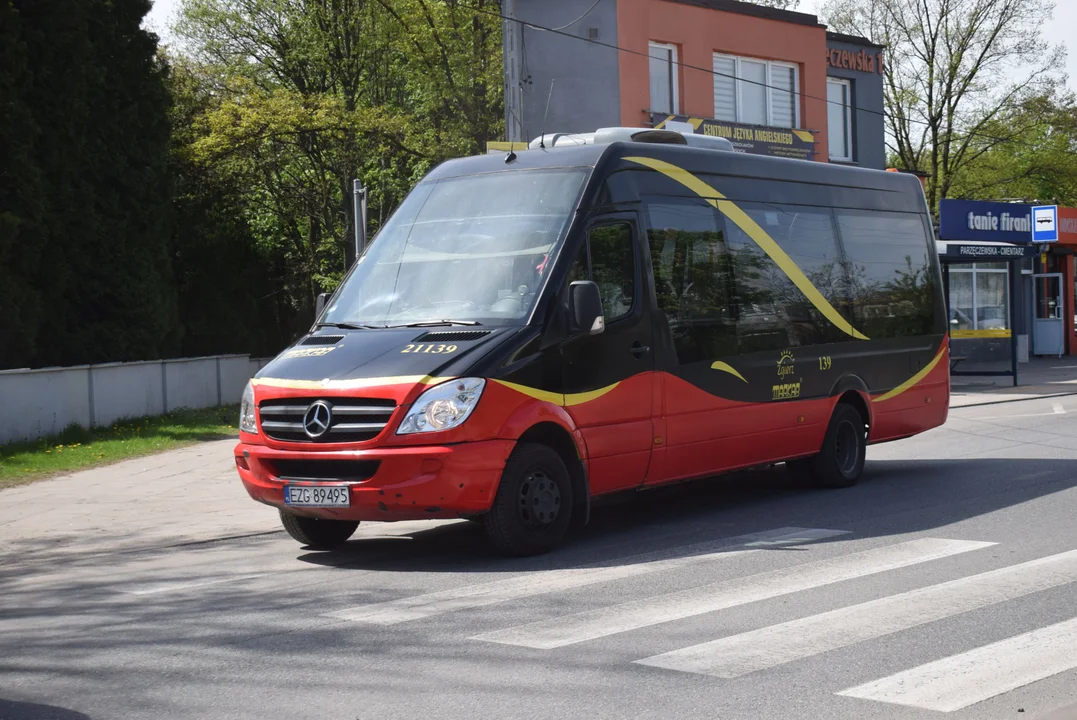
639 350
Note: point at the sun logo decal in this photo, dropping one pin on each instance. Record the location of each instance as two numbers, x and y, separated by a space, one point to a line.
785 364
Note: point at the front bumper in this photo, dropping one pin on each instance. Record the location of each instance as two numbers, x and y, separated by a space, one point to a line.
409 483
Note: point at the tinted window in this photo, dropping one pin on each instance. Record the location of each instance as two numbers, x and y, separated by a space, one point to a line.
692 277
773 313
613 268
465 248
893 283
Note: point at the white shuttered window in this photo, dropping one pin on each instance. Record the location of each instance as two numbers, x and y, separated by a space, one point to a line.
663 71
757 92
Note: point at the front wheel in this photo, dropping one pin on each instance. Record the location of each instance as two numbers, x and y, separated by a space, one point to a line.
317 533
533 507
840 462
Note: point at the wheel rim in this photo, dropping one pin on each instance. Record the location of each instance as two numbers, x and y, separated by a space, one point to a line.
539 502
847 448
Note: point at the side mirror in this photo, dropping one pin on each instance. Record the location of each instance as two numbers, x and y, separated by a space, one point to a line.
319 305
585 308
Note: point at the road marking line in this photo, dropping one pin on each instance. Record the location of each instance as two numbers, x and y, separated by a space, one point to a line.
548 581
768 647
1007 417
591 624
961 680
153 589
1059 410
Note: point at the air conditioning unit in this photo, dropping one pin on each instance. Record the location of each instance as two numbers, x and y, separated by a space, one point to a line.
604 136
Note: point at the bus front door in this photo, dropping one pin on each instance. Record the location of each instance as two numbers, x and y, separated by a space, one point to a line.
609 377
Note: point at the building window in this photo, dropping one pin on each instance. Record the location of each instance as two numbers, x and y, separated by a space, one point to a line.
756 92
839 119
979 296
663 78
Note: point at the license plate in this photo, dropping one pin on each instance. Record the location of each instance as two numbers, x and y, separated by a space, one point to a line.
317 496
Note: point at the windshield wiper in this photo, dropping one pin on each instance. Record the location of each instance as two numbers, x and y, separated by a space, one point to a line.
436 323
350 326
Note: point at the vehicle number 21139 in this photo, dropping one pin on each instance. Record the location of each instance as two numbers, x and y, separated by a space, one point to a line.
431 348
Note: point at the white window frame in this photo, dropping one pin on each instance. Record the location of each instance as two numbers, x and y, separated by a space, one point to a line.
847 113
975 269
673 72
770 64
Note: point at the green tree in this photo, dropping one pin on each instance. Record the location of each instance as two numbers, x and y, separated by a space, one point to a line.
953 68
313 93
1038 165
84 188
21 210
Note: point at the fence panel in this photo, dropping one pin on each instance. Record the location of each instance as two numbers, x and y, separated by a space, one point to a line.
124 390
36 403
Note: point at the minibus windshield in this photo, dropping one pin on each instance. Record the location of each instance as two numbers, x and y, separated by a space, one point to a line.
471 250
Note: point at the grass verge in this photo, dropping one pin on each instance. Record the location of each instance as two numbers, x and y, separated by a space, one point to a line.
77 448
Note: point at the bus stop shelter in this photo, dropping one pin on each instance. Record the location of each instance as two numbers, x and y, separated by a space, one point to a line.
982 335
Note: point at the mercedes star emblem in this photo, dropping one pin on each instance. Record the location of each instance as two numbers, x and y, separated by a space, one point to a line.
317 419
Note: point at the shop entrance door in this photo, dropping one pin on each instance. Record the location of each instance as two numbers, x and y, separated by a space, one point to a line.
1047 322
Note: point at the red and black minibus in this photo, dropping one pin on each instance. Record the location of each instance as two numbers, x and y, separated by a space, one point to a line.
532 331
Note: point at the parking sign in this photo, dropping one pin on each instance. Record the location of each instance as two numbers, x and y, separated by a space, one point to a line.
1045 224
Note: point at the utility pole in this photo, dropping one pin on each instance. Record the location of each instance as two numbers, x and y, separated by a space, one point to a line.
359 205
513 34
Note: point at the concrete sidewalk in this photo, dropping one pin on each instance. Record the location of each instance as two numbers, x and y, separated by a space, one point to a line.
1039 378
187 495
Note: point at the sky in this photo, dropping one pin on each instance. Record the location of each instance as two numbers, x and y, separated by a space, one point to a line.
1057 32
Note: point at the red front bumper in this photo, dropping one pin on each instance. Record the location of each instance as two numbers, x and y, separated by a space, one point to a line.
410 483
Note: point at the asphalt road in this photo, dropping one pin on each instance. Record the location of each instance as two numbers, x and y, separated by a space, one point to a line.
946 582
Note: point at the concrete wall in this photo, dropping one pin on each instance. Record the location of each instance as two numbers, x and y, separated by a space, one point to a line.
869 149
585 76
37 403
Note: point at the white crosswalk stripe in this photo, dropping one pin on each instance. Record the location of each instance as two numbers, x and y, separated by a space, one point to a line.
591 624
778 644
962 680
549 581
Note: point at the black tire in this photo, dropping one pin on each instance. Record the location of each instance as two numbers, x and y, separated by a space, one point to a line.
841 461
317 533
533 506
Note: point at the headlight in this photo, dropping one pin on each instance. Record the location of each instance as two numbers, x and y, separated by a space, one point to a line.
443 407
246 411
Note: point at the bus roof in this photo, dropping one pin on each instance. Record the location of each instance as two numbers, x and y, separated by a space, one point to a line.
695 160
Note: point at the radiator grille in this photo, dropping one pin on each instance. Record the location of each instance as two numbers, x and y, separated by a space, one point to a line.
352 419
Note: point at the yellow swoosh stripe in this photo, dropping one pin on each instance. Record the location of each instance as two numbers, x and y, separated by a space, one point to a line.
581 398
913 380
558 398
804 135
726 367
352 384
758 235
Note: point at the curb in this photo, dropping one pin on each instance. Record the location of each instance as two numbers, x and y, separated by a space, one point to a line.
1013 400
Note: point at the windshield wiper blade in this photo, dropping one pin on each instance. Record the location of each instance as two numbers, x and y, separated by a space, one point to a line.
436 323
350 326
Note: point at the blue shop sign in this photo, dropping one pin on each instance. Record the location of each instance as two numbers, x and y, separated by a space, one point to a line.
989 221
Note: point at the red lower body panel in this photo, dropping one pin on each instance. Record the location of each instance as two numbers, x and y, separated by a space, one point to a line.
410 483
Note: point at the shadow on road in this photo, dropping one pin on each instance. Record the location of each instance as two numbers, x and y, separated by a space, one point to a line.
894 498
11 710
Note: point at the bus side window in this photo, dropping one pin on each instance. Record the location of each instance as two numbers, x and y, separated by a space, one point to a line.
579 269
613 268
692 277
893 280
776 314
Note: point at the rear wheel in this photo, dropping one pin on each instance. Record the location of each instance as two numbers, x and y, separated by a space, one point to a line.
840 462
317 533
533 506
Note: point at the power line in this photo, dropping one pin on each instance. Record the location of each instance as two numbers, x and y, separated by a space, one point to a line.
581 17
711 71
